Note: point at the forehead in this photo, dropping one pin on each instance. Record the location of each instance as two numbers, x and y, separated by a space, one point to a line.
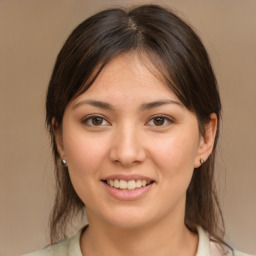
129 76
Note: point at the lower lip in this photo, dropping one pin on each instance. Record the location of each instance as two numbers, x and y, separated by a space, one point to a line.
128 195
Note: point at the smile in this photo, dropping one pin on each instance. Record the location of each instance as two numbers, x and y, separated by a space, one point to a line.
128 187
127 184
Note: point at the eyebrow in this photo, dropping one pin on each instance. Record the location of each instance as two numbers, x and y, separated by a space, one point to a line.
158 103
143 107
95 103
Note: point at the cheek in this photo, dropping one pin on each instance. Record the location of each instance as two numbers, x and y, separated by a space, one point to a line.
85 158
175 157
176 151
84 153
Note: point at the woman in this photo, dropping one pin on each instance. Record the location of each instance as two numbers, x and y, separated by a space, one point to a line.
133 111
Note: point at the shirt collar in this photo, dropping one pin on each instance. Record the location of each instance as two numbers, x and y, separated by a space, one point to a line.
203 248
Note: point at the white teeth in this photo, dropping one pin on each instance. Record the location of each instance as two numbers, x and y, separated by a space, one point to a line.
111 183
130 185
116 183
138 183
123 184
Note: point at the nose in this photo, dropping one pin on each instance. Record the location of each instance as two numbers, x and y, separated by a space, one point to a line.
127 147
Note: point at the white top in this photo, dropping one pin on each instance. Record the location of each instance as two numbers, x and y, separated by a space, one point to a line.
71 247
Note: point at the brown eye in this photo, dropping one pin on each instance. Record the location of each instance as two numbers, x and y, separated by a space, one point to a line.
94 121
97 121
158 121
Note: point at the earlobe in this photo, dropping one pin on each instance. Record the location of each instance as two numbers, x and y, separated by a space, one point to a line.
58 138
207 141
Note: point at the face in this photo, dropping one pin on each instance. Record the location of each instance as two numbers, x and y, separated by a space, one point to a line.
131 147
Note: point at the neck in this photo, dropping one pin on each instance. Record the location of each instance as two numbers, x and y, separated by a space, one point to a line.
101 239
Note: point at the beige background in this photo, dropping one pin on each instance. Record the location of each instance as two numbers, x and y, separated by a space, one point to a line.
32 33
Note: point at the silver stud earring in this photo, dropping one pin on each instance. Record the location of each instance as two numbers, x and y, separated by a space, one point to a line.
63 162
201 160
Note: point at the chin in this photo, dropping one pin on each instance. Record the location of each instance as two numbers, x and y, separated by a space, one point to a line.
129 224
126 218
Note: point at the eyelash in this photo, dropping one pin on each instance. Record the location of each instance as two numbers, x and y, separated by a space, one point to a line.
89 119
167 120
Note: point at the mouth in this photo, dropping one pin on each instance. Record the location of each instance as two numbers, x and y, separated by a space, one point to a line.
128 184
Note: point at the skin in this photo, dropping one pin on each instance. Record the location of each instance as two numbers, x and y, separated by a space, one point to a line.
130 136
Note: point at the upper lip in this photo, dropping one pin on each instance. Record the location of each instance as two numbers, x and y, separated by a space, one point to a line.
128 177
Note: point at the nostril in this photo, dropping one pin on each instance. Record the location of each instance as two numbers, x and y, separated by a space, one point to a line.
127 152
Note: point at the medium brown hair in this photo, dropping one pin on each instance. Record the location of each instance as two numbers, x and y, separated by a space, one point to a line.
179 58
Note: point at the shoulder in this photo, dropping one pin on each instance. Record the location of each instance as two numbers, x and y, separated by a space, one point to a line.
208 247
237 253
65 247
60 248
216 250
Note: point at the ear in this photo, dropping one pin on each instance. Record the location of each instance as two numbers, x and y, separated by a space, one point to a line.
206 141
58 138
